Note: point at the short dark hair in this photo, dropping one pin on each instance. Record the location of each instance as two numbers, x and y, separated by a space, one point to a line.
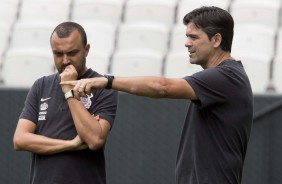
64 30
213 20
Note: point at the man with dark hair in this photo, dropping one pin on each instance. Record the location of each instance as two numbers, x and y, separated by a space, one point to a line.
66 136
217 128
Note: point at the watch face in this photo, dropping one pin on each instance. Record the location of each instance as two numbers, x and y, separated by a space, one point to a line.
69 94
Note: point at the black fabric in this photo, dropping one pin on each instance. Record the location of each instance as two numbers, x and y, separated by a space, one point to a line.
46 106
217 126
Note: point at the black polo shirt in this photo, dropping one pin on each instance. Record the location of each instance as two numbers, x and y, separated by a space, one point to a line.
217 126
46 106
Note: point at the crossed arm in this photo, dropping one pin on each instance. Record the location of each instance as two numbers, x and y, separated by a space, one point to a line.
25 139
92 130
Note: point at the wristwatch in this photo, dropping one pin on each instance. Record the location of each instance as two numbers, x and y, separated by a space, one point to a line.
69 94
110 80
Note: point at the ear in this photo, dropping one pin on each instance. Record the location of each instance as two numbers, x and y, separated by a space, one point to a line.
87 48
217 39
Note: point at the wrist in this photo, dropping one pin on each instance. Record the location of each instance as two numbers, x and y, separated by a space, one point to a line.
69 94
110 80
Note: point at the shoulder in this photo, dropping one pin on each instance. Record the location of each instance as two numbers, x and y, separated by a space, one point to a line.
48 78
45 81
91 74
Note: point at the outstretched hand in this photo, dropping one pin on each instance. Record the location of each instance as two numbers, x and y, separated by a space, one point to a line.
83 87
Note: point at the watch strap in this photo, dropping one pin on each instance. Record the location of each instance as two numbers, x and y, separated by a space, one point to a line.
110 81
69 94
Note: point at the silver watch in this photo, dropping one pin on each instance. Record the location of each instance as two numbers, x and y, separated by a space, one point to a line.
69 94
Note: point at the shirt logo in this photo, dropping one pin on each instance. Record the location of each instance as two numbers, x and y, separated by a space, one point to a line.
44 99
43 111
44 107
87 101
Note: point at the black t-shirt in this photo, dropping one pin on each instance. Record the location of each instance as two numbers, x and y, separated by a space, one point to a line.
46 106
217 126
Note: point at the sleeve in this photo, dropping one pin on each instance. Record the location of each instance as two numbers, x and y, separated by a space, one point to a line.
30 110
105 104
210 87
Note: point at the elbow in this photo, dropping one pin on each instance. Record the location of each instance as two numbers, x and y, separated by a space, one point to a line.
17 144
96 144
161 90
162 93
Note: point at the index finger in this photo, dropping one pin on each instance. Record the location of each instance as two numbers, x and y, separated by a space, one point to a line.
72 83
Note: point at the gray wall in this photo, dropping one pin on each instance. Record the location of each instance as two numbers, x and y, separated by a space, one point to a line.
142 146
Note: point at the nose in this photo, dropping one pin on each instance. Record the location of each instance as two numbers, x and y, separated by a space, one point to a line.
66 60
188 43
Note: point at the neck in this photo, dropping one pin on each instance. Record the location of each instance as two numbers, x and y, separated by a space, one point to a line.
219 58
83 71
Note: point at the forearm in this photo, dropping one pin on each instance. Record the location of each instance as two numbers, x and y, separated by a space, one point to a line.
42 145
87 126
154 87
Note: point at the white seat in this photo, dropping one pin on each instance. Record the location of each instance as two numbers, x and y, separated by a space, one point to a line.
277 75
159 11
98 61
4 37
277 65
253 39
22 67
98 10
51 10
185 6
178 38
8 11
137 63
177 65
259 12
100 36
31 34
143 36
279 44
258 70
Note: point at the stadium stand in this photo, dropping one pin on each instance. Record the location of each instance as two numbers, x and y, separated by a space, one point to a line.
143 36
98 10
116 28
137 62
256 11
23 66
31 34
156 11
277 75
277 65
52 11
185 6
8 11
4 36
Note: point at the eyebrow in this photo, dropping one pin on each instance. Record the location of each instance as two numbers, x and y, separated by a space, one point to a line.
72 51
192 35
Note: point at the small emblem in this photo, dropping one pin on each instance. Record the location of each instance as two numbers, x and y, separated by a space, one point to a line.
86 101
44 99
44 107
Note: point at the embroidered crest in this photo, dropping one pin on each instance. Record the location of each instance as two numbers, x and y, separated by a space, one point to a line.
43 112
86 101
44 107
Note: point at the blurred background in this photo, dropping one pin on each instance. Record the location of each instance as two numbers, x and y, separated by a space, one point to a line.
142 37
